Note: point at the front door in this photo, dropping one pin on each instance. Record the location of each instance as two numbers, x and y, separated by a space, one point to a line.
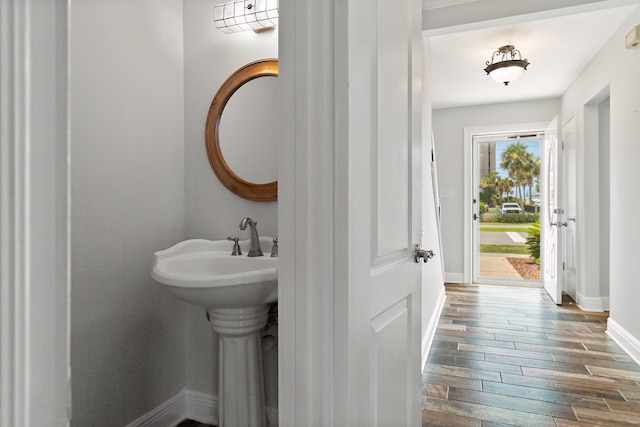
551 215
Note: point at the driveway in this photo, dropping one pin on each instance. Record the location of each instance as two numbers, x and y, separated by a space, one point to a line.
502 238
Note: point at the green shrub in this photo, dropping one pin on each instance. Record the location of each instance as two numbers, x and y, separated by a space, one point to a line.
533 241
491 216
483 207
519 218
509 218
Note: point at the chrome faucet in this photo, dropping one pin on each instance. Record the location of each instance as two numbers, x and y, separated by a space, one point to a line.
254 249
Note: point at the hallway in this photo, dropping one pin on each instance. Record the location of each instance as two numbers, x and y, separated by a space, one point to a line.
507 356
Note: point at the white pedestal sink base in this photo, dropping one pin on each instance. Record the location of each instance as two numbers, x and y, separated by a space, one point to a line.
240 371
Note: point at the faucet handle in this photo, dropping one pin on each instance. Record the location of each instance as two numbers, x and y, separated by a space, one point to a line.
274 248
236 245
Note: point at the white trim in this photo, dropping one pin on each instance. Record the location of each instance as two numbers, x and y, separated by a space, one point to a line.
311 368
629 343
454 277
13 234
201 407
190 405
429 334
169 413
439 4
597 304
35 385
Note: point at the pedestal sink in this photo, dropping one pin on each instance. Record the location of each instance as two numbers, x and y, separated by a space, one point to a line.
236 291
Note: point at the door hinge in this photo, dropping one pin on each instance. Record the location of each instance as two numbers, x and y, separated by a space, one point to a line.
562 265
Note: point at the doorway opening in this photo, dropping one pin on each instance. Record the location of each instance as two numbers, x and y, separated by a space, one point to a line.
507 187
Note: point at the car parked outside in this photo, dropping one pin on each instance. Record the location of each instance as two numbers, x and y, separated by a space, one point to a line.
510 208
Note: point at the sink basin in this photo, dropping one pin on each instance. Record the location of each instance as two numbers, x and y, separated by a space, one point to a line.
204 273
236 291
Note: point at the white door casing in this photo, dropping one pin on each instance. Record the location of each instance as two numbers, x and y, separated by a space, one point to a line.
350 213
569 197
472 135
551 214
34 214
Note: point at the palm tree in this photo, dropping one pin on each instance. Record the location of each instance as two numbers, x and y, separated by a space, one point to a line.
489 184
515 159
505 185
533 174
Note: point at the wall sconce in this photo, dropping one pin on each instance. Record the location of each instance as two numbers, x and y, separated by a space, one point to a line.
509 66
246 15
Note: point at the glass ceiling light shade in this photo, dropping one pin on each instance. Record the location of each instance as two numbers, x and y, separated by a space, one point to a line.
506 65
246 15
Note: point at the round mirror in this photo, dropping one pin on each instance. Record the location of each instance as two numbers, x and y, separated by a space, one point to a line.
239 129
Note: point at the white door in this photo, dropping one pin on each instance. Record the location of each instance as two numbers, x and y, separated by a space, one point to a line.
349 213
569 197
551 213
385 123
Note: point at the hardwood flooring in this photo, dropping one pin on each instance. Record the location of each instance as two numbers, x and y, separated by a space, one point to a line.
507 356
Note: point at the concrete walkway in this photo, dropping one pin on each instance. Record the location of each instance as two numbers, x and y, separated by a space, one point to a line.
496 266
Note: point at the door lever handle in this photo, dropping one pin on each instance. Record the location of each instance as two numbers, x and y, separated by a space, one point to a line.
426 255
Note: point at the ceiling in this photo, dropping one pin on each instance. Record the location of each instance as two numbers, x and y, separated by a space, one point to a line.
558 49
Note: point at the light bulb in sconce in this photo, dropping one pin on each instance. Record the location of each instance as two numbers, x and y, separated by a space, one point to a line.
246 15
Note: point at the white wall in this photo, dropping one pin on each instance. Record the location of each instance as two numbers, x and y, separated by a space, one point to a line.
448 125
212 211
618 68
604 128
127 335
432 273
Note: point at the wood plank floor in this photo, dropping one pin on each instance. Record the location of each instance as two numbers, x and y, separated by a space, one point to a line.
508 356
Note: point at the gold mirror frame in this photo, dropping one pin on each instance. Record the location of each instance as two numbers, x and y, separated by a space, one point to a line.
248 190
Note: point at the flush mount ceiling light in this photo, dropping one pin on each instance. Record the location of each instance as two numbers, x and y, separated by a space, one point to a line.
506 65
246 15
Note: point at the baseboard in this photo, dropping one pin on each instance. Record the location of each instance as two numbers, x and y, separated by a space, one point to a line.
169 413
453 277
429 334
629 343
597 304
201 407
190 405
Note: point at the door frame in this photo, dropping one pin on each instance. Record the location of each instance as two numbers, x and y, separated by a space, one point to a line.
35 385
475 225
469 133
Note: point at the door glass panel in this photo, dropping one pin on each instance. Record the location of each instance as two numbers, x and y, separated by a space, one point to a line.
507 209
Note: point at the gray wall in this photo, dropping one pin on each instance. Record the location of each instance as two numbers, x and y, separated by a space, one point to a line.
448 126
432 272
141 85
212 211
127 156
604 128
617 68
